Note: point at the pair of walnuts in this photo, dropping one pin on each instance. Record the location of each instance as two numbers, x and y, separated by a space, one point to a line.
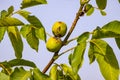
59 29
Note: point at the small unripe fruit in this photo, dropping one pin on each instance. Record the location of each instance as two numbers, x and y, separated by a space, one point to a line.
59 29
53 44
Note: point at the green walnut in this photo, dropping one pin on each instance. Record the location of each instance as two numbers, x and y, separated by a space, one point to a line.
59 29
53 44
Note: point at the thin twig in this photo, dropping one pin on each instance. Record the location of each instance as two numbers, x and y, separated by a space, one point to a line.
79 13
66 51
71 40
49 34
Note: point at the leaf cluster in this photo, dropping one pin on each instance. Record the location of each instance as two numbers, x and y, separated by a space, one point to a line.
34 31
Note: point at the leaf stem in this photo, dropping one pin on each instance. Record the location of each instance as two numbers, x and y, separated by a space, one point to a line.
78 14
66 51
70 40
49 34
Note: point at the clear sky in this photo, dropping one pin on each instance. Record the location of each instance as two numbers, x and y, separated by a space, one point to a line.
62 10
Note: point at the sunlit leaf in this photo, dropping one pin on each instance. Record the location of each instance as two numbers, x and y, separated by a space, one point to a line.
68 71
32 39
87 7
90 11
16 40
3 14
101 4
91 53
24 13
41 34
118 42
61 75
53 72
38 75
10 10
30 3
20 74
106 59
25 30
70 58
3 76
83 37
102 33
35 21
103 13
77 56
2 32
20 62
113 26
110 30
10 21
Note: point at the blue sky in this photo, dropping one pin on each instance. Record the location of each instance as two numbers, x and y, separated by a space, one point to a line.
62 10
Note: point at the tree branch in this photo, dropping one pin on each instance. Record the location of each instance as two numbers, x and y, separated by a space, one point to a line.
79 13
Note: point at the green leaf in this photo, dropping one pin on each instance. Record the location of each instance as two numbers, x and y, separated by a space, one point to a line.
38 75
119 1
101 4
70 58
68 71
24 13
83 37
16 40
10 21
20 74
87 7
10 10
106 59
53 72
61 76
102 33
118 42
3 14
110 30
3 76
41 34
30 3
113 26
103 13
90 11
32 39
21 62
2 33
35 21
77 56
25 30
91 53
